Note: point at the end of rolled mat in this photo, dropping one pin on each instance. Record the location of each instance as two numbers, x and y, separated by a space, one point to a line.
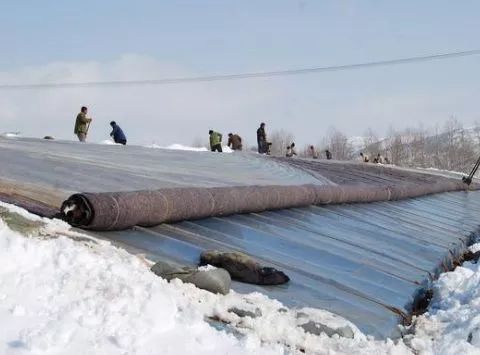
244 268
272 276
76 211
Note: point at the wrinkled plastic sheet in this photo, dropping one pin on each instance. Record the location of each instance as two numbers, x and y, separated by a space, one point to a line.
78 167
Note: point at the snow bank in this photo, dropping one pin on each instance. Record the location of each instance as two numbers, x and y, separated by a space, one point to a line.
60 296
64 292
452 325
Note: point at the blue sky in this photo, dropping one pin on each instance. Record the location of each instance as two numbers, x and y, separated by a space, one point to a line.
97 40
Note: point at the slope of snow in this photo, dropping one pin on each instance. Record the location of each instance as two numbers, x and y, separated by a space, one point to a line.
63 292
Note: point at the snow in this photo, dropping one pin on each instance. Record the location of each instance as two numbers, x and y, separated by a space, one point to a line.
108 142
64 292
447 172
177 146
10 134
60 296
206 268
452 325
474 248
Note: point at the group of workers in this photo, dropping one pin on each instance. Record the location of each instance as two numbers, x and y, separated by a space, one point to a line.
82 124
235 141
378 159
263 145
314 154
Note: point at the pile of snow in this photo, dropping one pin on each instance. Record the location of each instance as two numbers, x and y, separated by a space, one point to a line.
185 147
63 292
452 325
67 297
108 142
179 147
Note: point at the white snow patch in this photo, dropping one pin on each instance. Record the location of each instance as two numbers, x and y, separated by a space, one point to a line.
10 134
451 172
179 147
185 147
474 248
108 142
206 268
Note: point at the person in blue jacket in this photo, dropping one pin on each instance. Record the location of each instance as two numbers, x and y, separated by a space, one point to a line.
117 134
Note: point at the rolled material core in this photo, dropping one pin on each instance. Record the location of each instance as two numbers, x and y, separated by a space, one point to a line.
121 210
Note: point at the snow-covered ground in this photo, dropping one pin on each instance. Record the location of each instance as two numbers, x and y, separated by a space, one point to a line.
62 292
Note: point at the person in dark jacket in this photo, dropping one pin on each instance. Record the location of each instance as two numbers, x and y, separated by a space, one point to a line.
365 157
215 141
262 139
117 134
234 141
328 155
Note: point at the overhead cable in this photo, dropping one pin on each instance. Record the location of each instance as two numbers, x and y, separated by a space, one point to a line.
224 77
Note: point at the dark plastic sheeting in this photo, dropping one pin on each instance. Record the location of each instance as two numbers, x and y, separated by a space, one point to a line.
366 262
362 261
77 167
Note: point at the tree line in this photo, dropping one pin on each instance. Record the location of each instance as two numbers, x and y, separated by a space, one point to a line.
448 146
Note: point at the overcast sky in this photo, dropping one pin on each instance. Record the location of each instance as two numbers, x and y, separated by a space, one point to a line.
75 41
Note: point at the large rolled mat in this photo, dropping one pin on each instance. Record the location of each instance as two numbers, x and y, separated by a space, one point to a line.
121 210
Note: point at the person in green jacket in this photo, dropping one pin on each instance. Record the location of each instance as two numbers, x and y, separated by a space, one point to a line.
82 124
215 141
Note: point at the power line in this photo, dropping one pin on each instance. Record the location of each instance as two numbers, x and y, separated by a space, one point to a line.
265 74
